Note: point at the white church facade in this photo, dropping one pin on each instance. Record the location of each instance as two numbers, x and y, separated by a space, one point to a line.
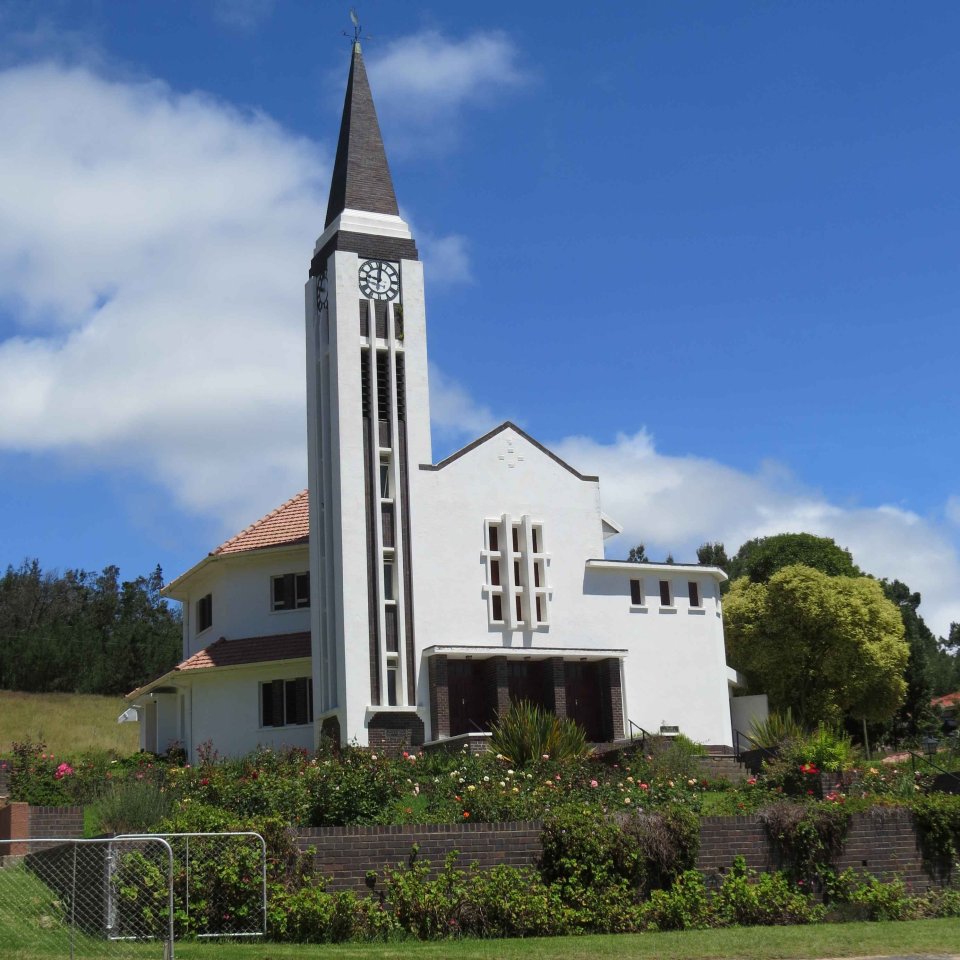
399 602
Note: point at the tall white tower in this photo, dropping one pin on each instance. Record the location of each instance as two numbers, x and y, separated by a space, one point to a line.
368 425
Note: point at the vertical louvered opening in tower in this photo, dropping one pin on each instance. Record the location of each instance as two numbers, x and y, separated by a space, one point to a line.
383 398
401 389
364 387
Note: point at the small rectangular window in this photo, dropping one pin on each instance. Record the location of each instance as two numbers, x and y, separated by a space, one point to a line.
493 534
285 703
497 604
539 609
391 686
516 538
385 481
537 576
495 572
694 592
388 580
516 572
665 600
535 539
636 593
519 603
205 613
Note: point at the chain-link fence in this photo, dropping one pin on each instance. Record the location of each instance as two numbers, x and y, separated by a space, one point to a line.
219 884
86 899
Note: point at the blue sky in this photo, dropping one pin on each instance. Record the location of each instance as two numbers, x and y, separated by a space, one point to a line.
706 250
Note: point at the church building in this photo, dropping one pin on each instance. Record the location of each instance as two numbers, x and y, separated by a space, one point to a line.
399 602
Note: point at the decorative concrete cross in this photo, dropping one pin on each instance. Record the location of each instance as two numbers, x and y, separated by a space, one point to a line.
510 457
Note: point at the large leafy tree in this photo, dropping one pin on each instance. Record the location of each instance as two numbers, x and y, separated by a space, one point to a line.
823 646
759 559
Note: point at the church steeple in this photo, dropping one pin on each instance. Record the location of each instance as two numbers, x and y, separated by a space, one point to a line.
361 175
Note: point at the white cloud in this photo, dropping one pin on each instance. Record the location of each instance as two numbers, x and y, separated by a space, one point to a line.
424 80
446 259
153 249
242 14
454 415
673 504
953 509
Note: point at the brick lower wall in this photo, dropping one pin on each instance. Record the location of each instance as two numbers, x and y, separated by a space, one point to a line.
883 843
21 822
344 855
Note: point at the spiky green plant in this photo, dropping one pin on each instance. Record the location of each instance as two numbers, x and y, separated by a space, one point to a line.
527 732
776 730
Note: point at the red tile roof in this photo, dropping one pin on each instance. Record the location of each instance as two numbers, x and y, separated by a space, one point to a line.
947 700
285 526
238 653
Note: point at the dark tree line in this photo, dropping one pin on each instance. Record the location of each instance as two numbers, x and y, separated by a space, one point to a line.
83 632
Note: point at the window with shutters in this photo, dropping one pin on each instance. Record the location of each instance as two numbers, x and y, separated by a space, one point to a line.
286 703
290 591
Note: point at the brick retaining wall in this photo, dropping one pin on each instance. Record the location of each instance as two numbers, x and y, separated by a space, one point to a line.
345 854
20 821
883 843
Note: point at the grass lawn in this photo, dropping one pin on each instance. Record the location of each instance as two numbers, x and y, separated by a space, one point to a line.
69 723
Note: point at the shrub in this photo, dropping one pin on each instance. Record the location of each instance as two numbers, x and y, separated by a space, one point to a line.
746 899
684 906
527 732
937 816
674 758
776 730
808 837
36 777
132 806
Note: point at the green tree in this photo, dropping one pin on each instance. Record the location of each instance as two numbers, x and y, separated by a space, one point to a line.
822 646
712 555
759 559
638 554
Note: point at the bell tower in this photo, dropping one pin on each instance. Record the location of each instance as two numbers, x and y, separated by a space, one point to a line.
368 425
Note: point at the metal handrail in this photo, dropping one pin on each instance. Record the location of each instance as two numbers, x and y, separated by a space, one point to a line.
644 734
919 756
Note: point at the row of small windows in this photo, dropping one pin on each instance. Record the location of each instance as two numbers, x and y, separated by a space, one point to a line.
666 593
517 588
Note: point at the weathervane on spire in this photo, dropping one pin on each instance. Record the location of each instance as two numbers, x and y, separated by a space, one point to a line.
357 29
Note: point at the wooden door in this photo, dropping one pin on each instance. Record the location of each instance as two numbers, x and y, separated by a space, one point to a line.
584 701
466 689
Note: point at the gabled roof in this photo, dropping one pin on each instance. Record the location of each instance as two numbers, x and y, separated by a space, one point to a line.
237 653
288 525
508 425
361 176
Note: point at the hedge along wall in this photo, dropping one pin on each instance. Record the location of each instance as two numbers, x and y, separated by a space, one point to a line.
20 821
884 843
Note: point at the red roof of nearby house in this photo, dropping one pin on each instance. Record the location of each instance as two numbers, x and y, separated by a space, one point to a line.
947 700
285 526
238 653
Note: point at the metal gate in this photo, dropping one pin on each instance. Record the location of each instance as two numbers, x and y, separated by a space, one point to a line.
87 898
219 883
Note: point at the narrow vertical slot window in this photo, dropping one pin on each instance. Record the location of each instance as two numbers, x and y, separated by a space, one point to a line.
388 580
516 572
535 539
636 593
392 684
495 573
519 606
493 537
385 481
694 593
497 604
665 600
516 538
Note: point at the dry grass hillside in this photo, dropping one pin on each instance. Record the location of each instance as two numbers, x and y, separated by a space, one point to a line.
68 723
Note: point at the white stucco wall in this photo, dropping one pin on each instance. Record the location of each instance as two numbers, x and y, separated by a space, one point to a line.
241 589
674 671
226 709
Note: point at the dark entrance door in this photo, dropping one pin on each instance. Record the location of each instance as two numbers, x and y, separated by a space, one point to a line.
468 703
528 680
584 698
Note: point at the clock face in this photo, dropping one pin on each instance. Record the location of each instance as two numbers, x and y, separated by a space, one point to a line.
322 292
379 280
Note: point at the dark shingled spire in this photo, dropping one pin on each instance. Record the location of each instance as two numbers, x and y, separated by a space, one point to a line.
361 176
